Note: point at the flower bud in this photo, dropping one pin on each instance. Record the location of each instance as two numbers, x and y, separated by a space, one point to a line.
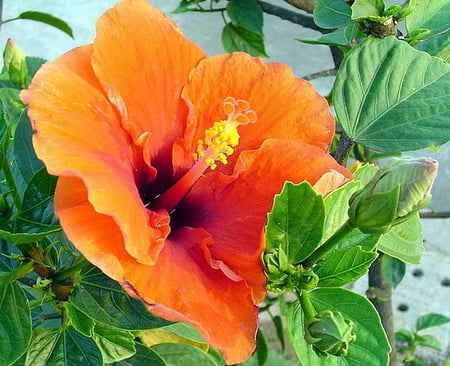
15 63
284 276
393 194
329 333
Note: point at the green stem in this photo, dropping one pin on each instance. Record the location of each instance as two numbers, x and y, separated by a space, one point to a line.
9 178
329 245
71 271
307 306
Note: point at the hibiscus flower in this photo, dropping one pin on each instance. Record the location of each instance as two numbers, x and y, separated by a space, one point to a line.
168 162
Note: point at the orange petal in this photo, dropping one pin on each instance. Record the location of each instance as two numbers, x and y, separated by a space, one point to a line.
77 134
143 60
233 210
184 286
286 107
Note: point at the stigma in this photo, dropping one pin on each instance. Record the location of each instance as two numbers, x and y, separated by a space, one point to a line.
223 136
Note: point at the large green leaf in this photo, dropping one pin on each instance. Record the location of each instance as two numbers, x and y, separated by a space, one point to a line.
144 356
331 14
15 323
393 270
438 46
246 14
296 221
343 267
390 97
431 14
23 149
62 346
370 347
241 39
404 241
114 344
36 219
104 300
175 354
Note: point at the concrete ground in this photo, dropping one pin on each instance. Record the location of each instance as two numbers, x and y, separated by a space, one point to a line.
422 294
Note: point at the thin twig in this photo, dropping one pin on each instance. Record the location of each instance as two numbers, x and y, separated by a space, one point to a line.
435 215
320 74
306 5
291 16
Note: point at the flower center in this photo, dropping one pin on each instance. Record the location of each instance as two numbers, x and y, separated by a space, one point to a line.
218 144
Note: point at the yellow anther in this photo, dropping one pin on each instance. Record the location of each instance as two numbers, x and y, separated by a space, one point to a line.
223 136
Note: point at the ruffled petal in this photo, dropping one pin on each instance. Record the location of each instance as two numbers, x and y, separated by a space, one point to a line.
78 134
286 107
186 285
233 209
143 61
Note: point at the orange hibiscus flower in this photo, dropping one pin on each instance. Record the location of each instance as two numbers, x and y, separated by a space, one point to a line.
168 162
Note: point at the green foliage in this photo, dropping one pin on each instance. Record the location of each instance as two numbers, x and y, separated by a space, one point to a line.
370 346
45 18
297 232
388 96
410 340
15 323
381 79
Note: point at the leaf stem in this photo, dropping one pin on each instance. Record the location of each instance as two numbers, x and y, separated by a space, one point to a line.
307 307
69 272
329 245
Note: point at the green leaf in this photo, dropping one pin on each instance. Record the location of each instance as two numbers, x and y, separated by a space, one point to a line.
367 8
187 5
240 39
331 14
343 267
393 270
340 37
47 19
143 356
438 46
431 320
36 220
183 354
114 344
429 341
404 241
34 64
262 348
80 321
431 14
15 323
371 346
296 221
11 106
336 207
391 97
23 148
62 346
246 14
103 299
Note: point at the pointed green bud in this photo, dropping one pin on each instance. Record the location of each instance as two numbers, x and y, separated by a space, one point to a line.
404 12
330 333
15 63
393 194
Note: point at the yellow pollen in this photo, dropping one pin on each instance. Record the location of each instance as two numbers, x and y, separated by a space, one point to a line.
223 136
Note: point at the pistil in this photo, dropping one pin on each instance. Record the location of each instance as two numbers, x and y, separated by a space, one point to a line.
218 144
